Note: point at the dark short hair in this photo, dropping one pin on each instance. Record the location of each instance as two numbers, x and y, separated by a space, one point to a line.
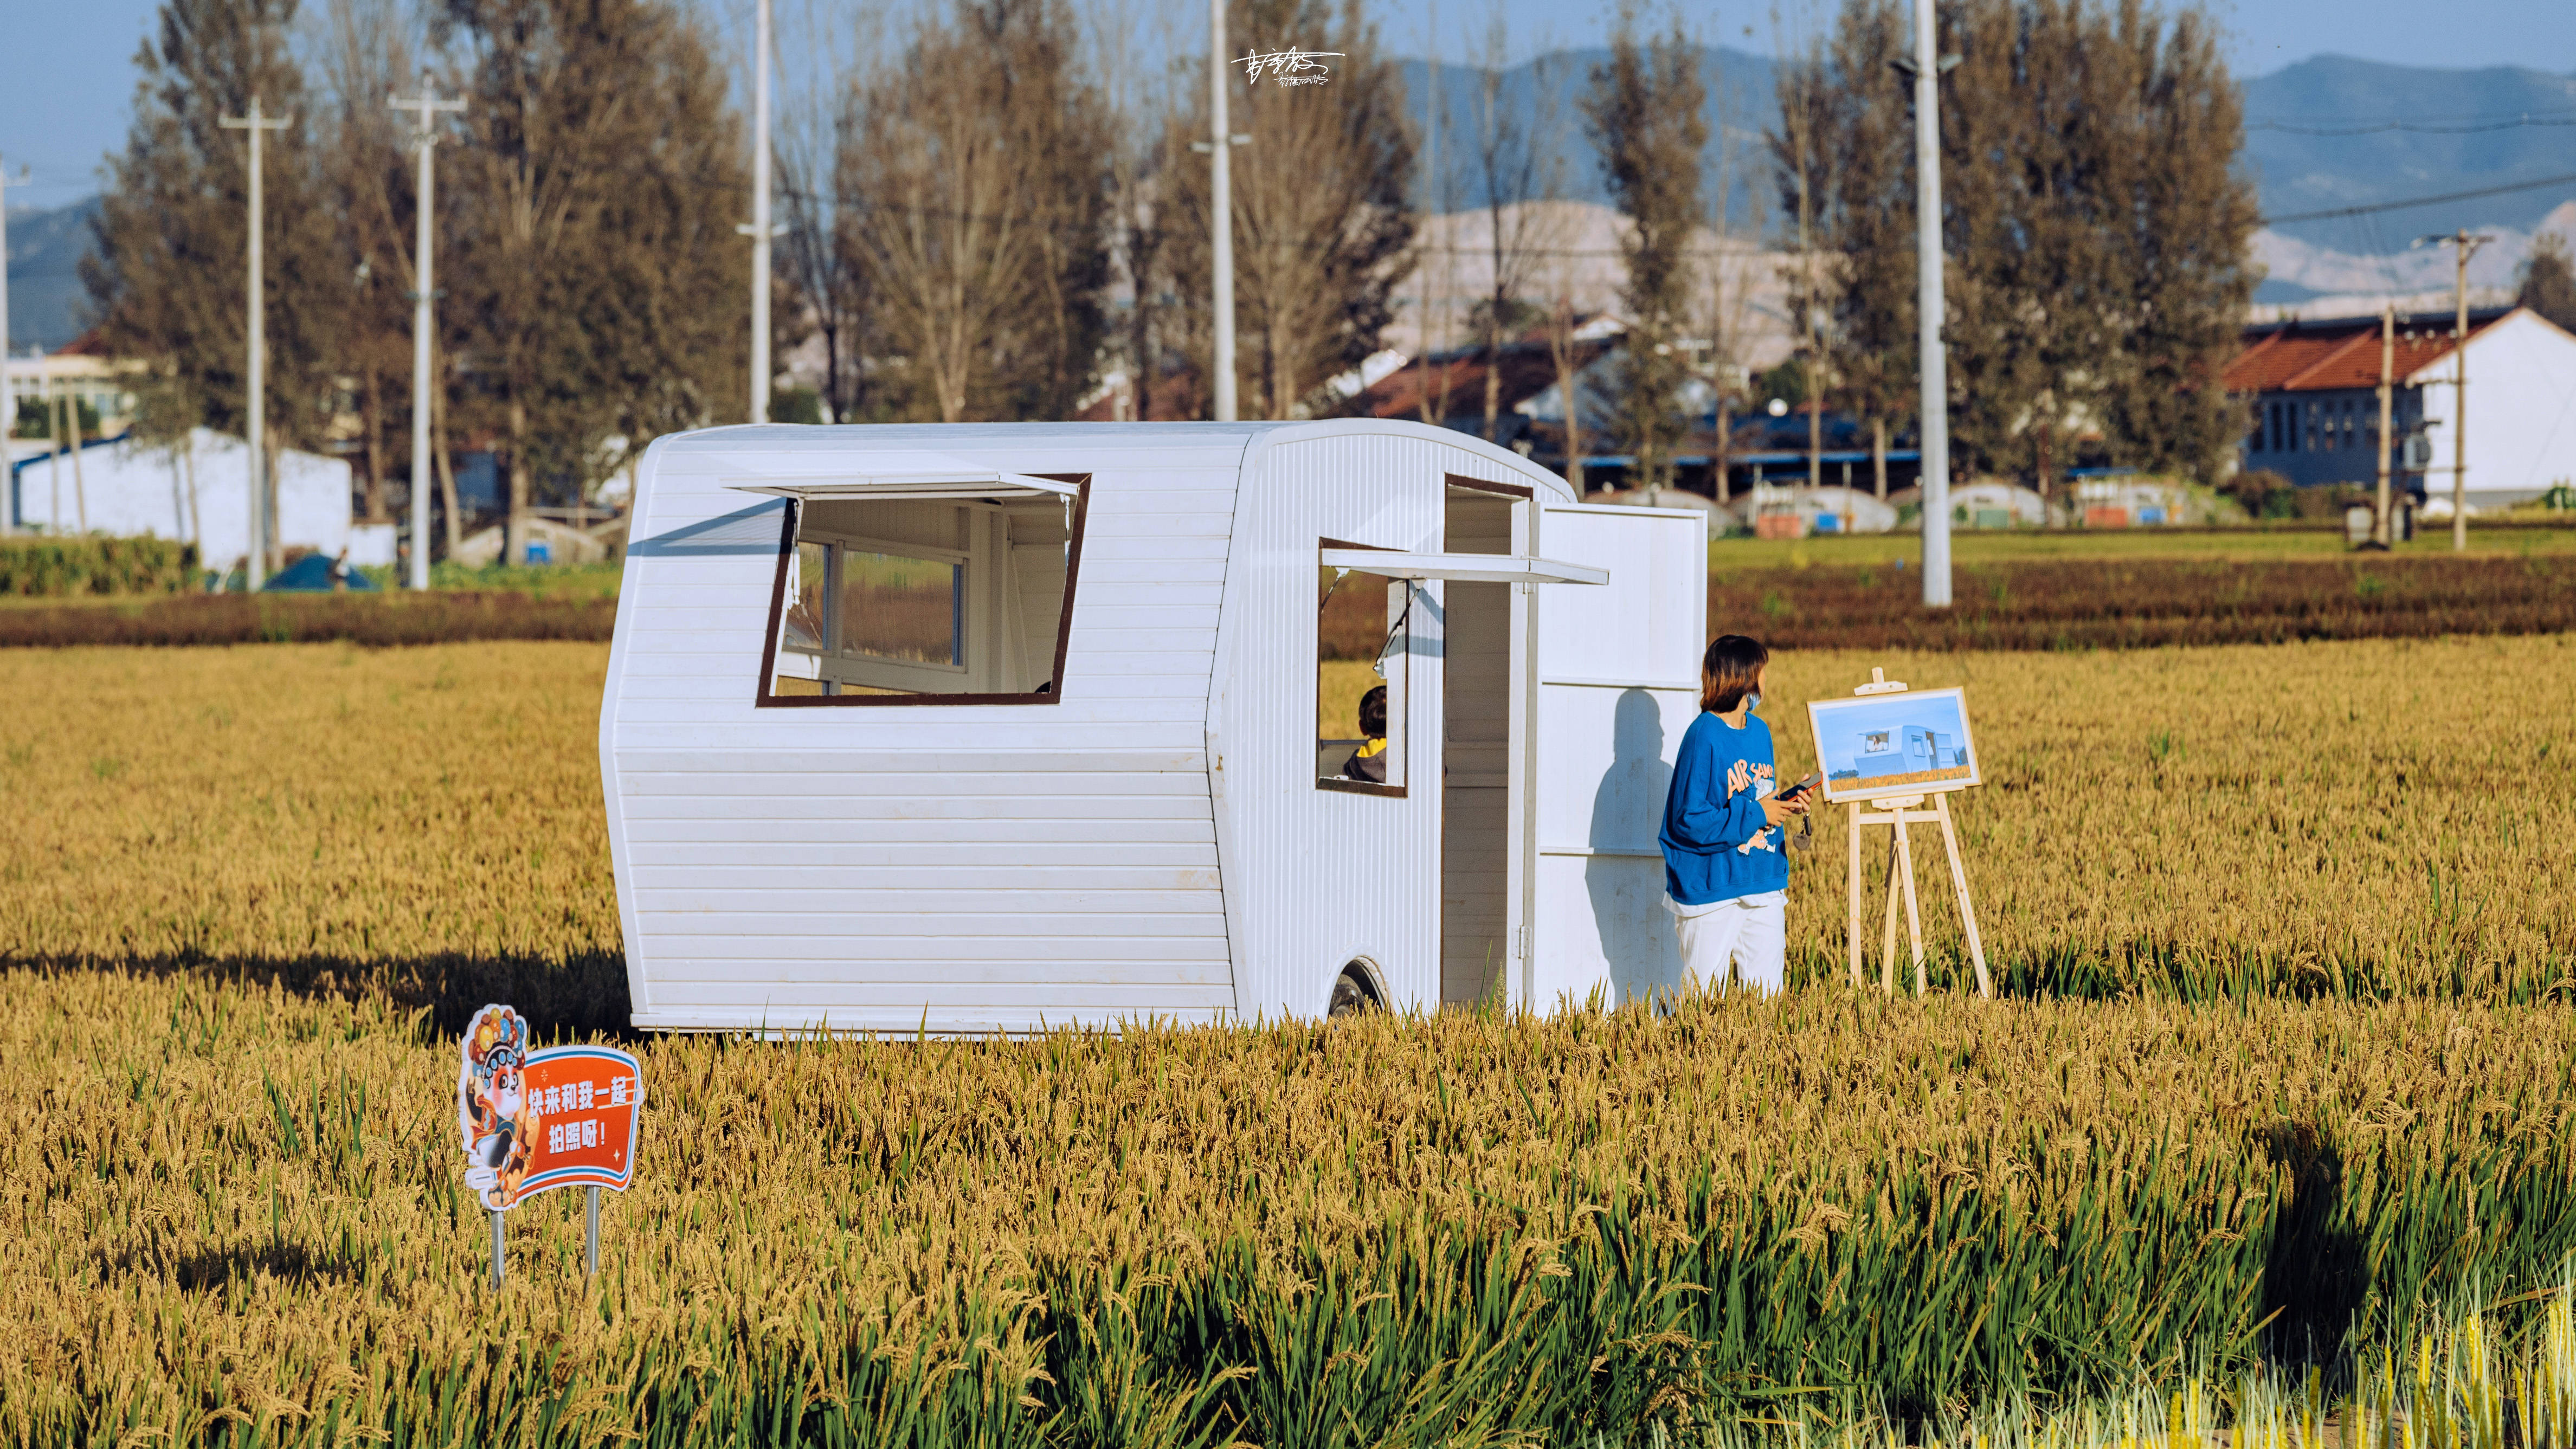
1373 712
1728 671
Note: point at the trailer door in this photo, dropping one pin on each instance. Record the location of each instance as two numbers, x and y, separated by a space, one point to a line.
1617 683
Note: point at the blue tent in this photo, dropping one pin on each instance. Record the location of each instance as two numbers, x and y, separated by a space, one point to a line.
314 574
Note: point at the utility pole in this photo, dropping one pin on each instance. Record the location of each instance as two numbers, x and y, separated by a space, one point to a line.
1934 365
2382 527
8 399
428 105
2467 246
1220 141
760 230
256 569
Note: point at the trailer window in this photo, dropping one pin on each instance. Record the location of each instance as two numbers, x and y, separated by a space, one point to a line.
892 601
1363 625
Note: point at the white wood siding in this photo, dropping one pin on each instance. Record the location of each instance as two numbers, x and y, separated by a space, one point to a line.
1618 683
1317 878
965 867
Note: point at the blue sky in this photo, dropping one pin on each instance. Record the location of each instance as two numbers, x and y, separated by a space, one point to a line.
64 97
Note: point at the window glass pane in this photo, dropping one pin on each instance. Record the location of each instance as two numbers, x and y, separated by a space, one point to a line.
1361 648
897 607
893 597
805 613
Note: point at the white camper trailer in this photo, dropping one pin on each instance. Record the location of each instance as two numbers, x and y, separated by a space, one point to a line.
993 728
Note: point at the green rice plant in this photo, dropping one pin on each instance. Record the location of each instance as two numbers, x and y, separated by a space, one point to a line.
59 567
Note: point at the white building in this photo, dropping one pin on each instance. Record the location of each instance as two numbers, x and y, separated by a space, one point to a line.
198 491
38 383
2313 387
989 728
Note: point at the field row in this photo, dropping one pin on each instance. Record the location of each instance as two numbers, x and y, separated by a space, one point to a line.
2043 603
2362 819
249 894
228 1200
2113 603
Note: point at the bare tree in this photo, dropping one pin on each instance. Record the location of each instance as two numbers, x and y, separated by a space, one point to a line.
1520 158
1644 111
1437 268
1323 214
1804 174
1723 288
363 149
821 278
1140 109
977 175
1567 357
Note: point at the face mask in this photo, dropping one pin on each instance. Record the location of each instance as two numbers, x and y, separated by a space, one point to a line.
1752 701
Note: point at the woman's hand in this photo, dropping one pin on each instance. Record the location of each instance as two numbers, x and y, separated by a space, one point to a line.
1775 809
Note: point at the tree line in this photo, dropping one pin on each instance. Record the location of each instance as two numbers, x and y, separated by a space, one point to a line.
2095 220
997 210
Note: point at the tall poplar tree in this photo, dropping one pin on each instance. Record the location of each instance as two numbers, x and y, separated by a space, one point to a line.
1519 157
596 284
1645 111
1862 221
2185 215
364 157
2096 228
2549 280
169 277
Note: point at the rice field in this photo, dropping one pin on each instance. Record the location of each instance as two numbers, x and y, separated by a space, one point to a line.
2285 1068
232 1210
2372 818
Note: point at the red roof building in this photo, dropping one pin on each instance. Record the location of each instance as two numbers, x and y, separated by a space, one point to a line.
2314 391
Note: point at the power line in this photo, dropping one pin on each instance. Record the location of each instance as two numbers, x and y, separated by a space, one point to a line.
2536 184
2472 128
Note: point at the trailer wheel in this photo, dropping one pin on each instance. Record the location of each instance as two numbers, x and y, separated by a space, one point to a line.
1354 992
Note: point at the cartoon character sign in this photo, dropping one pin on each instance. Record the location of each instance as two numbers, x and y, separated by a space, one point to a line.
534 1121
493 1114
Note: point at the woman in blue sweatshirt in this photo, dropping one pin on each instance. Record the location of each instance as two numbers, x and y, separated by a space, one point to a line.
1726 876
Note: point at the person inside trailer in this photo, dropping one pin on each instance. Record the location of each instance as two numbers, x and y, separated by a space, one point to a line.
1368 762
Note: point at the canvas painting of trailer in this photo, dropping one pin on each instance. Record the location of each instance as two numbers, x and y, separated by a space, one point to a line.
1878 746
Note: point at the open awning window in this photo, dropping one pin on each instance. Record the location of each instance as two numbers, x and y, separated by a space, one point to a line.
892 476
1477 568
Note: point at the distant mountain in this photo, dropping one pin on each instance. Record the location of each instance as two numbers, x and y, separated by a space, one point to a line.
46 301
2468 139
2463 143
2295 170
1547 92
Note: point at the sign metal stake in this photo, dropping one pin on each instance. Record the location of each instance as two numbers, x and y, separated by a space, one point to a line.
590 1232
496 1250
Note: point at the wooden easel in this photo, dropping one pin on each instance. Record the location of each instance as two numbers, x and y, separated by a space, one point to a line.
1899 812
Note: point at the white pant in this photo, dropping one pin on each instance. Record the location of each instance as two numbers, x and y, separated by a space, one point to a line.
1744 941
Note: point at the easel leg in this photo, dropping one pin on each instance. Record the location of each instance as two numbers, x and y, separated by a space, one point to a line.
1854 812
1913 915
1887 951
1967 910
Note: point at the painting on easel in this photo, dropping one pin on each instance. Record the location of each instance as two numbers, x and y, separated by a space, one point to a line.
1874 748
1895 747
